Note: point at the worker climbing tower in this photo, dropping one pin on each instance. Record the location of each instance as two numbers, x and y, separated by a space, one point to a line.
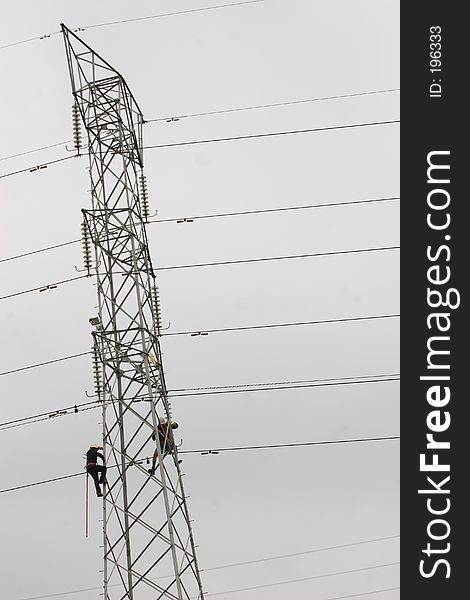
149 550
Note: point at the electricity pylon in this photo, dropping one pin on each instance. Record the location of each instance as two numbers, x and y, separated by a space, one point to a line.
149 550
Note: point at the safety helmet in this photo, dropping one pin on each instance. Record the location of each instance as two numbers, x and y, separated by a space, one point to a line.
174 425
96 446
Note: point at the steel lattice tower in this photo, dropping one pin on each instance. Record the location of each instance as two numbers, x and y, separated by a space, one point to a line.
149 550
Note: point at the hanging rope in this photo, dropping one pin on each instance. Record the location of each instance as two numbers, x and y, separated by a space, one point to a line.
86 507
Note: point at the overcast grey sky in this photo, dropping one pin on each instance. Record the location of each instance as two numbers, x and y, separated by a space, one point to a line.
247 505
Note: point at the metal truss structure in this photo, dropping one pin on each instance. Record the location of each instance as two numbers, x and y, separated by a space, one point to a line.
149 551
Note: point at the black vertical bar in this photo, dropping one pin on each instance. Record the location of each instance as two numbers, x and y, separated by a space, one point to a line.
434 273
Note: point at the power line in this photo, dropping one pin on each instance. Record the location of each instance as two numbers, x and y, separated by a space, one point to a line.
286 387
223 330
96 404
272 105
52 414
59 413
48 414
303 553
101 587
90 589
219 263
289 581
35 150
276 325
330 598
38 167
171 14
220 450
273 210
28 485
158 16
354 595
223 389
226 139
293 256
362 594
272 134
42 288
293 445
221 215
28 40
47 362
281 383
40 250
219 112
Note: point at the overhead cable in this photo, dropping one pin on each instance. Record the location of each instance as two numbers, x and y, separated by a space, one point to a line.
47 362
290 581
281 383
171 14
219 451
38 167
272 258
213 390
190 219
35 150
91 589
276 325
285 387
272 210
43 288
358 595
146 18
272 134
49 414
44 481
38 251
28 40
212 140
303 553
173 118
219 112
293 445
222 330
220 263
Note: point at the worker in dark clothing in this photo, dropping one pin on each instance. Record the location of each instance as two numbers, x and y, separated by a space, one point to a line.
166 441
96 471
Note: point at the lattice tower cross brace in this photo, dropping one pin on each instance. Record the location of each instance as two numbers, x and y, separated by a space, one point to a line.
146 526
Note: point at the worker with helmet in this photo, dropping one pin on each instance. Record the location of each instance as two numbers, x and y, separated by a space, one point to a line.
164 431
96 471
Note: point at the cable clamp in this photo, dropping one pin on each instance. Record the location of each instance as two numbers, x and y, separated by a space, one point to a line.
48 287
